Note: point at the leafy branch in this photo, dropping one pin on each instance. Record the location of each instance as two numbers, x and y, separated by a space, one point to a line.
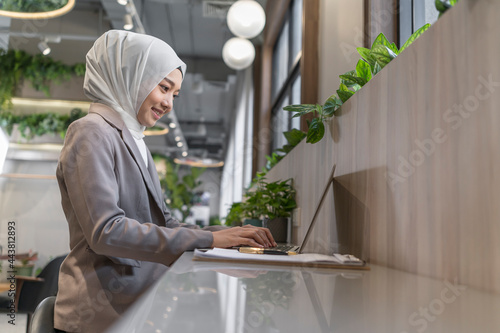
38 124
32 6
40 70
443 5
180 192
372 61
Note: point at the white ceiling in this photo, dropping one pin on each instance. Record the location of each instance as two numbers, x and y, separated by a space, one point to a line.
196 29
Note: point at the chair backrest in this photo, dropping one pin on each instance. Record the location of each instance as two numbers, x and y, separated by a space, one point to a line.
43 317
33 292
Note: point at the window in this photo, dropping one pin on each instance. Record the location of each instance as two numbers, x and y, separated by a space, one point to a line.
285 86
413 14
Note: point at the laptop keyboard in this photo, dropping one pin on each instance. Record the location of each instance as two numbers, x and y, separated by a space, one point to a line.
285 247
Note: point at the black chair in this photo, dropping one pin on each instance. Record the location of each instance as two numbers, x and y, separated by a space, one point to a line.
42 320
31 293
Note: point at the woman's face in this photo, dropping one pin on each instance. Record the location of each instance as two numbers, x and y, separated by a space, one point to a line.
160 101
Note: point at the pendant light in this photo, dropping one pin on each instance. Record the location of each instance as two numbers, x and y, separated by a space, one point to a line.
246 18
238 53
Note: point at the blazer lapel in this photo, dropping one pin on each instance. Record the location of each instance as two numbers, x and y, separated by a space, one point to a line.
156 181
146 174
114 118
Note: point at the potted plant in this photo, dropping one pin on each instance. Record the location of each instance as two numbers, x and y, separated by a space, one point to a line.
278 202
252 206
179 192
24 266
235 214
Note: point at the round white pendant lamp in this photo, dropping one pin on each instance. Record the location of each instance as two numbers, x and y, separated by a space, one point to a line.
238 53
128 24
246 18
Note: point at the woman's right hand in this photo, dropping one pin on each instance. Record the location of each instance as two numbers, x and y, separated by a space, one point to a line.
247 235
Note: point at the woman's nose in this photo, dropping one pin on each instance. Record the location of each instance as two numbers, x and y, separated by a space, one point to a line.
167 102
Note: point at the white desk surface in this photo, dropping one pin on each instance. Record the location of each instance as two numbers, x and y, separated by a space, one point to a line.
212 297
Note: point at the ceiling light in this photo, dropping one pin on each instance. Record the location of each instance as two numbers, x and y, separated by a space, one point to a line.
184 153
246 18
180 144
177 138
128 24
122 2
39 15
157 129
238 53
199 162
43 47
172 125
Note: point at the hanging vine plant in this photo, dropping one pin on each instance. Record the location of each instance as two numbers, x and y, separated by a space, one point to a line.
372 61
32 6
40 70
35 9
38 124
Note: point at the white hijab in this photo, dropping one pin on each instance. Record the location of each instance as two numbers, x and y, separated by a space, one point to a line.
123 68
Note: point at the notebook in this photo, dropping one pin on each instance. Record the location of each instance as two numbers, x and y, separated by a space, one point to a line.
286 247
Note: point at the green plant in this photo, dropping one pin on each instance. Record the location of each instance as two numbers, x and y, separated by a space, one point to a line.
443 5
294 136
252 204
235 214
372 61
32 6
214 220
264 200
40 70
278 198
26 259
38 124
180 192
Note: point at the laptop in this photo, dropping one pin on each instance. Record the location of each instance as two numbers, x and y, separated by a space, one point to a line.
289 248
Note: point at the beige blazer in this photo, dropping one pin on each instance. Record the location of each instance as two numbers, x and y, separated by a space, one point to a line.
122 237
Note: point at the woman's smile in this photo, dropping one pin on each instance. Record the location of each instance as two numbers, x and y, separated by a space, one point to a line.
157 113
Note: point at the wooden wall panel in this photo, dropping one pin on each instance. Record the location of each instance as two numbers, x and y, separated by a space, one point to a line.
417 153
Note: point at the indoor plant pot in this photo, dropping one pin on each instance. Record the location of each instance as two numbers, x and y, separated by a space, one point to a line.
254 222
24 270
278 228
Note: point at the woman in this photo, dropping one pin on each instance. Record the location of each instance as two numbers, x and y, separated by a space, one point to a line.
122 237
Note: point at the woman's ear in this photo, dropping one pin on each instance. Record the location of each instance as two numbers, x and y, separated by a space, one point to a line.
180 70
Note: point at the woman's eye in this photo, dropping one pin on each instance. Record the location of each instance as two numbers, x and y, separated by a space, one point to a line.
175 96
164 88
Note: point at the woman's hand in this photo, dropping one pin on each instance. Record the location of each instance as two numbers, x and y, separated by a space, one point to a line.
246 235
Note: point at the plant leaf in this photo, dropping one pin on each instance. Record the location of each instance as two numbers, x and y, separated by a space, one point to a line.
382 40
363 70
316 131
383 54
319 109
286 148
344 93
354 79
376 68
365 54
300 109
331 105
294 136
348 83
414 36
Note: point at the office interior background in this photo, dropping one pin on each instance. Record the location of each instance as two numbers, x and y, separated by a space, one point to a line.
387 186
